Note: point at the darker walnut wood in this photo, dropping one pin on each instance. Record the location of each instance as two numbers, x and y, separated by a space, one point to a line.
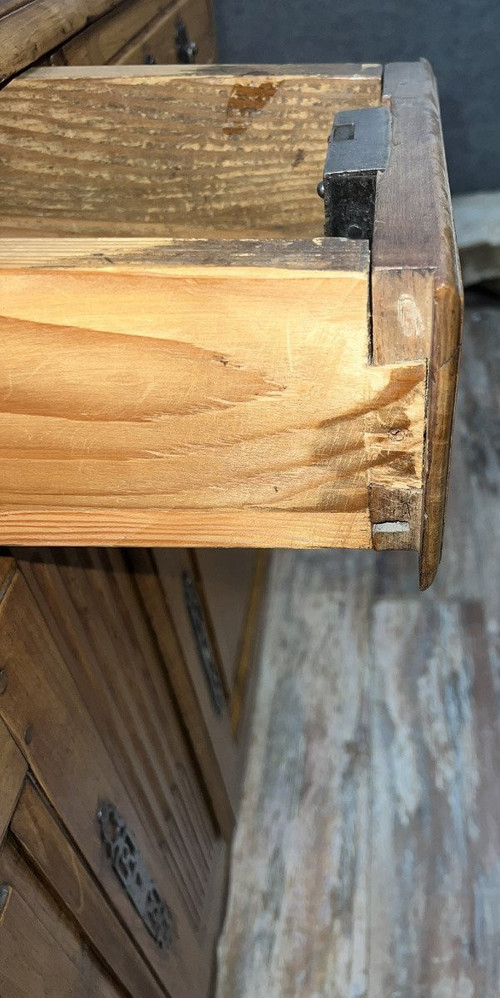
416 283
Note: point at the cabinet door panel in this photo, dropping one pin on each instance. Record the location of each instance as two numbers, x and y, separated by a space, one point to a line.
41 955
227 576
47 715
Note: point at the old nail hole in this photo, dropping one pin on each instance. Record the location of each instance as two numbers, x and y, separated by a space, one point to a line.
397 433
4 681
28 735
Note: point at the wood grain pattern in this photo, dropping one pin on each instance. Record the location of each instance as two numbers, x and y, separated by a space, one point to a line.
168 153
40 837
262 423
40 954
29 29
13 766
41 705
13 769
159 583
82 595
416 284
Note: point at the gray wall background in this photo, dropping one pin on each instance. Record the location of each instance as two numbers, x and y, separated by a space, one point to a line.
461 39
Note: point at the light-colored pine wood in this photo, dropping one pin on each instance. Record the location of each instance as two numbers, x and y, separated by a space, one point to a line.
214 404
160 151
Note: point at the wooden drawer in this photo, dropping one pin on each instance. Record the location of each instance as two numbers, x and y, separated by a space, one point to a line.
144 31
92 32
214 372
184 35
86 697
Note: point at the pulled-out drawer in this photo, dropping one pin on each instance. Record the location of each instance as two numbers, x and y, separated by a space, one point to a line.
187 360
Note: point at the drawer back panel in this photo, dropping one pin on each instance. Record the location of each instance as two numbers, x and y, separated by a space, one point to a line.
121 151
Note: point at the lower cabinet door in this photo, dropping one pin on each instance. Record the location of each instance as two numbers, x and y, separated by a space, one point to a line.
88 700
41 952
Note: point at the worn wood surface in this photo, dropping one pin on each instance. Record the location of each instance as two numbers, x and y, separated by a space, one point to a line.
416 284
367 860
42 840
40 952
260 424
162 151
295 925
29 28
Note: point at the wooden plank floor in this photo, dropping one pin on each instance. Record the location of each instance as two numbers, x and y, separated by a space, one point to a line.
367 859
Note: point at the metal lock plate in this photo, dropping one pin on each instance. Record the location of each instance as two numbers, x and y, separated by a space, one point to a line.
203 644
128 864
358 149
